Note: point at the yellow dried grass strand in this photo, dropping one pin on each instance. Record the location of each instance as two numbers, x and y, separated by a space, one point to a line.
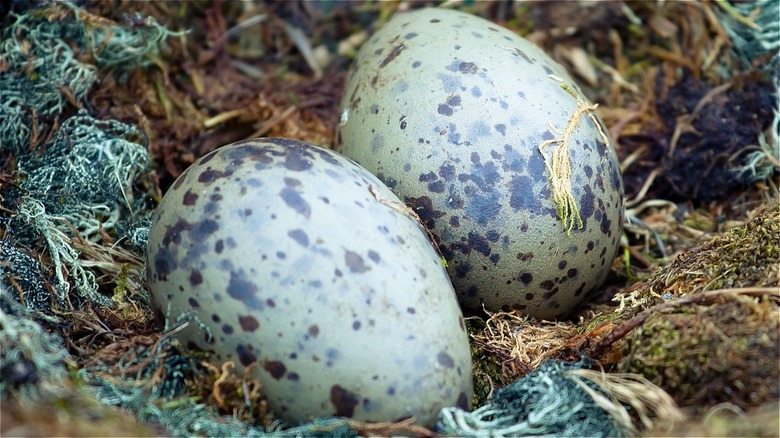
559 167
650 403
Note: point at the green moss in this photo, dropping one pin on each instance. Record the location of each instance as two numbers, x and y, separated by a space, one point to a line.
706 355
746 256
486 366
599 320
701 225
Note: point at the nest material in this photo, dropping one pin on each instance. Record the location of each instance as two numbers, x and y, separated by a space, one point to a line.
744 257
706 354
203 91
548 401
40 397
508 345
728 420
707 326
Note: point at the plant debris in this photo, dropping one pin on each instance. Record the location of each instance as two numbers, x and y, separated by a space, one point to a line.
707 354
104 105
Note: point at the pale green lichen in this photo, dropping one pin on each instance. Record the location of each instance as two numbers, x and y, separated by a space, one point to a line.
545 402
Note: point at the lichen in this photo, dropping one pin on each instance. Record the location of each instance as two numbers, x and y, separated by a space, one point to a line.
548 401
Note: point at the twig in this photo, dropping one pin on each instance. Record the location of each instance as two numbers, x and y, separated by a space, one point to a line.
273 121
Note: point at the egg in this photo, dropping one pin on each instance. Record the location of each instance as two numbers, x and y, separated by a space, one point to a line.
496 149
293 258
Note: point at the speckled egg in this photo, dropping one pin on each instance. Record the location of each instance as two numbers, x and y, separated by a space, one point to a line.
298 260
496 149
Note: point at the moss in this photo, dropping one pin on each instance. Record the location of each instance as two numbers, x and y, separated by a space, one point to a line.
599 320
486 365
697 224
706 327
120 290
705 355
746 256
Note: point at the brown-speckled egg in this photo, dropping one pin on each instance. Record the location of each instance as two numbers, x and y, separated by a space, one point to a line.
293 257
494 146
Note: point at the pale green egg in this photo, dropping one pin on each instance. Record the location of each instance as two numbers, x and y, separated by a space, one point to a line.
496 149
296 259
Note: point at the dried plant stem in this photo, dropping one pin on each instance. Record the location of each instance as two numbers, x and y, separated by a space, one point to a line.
559 168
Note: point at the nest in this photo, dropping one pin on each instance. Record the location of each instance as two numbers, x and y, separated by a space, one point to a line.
105 105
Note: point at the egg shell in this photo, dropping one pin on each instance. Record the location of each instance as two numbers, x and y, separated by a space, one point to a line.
295 258
449 110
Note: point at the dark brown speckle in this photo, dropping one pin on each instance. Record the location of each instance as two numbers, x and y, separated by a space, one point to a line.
275 368
248 323
189 198
196 277
343 400
392 55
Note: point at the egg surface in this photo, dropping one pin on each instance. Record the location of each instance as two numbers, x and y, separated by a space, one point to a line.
494 147
296 259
